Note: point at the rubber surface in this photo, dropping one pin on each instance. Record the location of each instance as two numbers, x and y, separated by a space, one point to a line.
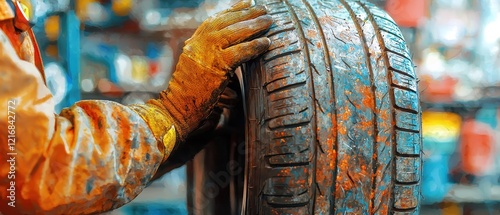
333 113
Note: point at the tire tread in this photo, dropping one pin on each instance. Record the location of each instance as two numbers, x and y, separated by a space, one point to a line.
291 146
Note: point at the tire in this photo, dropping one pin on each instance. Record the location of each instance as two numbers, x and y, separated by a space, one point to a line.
333 114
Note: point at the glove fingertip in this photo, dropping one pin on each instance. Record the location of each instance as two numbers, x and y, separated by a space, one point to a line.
263 44
241 5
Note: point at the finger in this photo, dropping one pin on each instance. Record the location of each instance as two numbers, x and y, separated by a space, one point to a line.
243 52
227 19
228 98
242 31
241 5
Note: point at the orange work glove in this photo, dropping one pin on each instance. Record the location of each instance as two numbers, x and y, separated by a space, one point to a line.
219 45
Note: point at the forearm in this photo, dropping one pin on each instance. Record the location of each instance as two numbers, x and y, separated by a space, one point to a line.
100 157
95 156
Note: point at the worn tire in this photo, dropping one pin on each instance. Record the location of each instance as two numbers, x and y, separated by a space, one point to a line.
333 114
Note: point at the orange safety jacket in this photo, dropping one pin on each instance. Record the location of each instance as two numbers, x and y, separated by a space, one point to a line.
93 157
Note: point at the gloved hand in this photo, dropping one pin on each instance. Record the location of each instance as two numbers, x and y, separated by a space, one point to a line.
209 57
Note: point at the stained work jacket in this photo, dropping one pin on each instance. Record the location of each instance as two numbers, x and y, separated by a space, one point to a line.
94 156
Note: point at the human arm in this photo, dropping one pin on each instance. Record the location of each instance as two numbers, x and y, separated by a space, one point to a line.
98 155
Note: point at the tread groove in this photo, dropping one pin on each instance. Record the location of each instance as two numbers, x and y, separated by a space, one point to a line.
394 52
280 31
288 87
403 88
295 164
392 33
400 72
281 55
362 37
277 65
282 137
277 47
404 210
329 68
381 17
278 116
275 80
281 99
282 24
407 155
407 183
305 41
295 205
405 109
391 95
407 130
293 125
286 195
278 12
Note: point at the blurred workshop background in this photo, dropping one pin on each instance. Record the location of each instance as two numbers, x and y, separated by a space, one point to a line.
126 50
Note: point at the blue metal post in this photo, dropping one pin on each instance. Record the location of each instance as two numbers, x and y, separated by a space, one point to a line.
69 51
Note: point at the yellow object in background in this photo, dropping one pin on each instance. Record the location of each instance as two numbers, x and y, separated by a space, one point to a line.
52 27
27 8
441 126
139 69
451 208
81 8
121 7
